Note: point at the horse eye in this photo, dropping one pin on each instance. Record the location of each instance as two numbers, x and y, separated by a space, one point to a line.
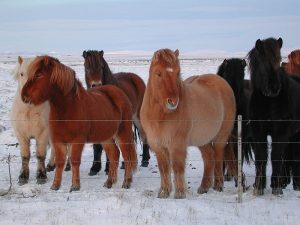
158 74
22 74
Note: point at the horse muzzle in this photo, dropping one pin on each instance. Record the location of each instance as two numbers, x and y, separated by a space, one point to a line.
96 84
172 104
26 100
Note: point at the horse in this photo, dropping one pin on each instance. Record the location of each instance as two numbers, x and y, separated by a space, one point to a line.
78 116
233 71
29 122
175 114
97 72
293 65
274 110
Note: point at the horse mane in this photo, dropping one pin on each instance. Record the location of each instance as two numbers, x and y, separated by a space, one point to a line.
94 59
293 56
61 75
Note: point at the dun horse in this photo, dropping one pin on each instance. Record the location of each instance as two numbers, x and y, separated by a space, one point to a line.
29 122
97 72
99 115
175 114
274 110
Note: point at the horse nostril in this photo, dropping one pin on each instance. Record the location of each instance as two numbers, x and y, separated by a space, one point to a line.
93 85
170 101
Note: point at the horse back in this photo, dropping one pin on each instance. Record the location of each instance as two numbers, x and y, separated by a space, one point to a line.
134 87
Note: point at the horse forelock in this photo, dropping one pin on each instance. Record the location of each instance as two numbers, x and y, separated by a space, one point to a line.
93 59
166 57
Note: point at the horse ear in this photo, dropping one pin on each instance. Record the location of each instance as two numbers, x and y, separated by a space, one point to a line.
244 64
176 52
259 45
101 53
280 42
20 60
84 54
225 62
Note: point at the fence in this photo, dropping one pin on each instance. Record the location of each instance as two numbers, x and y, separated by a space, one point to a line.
8 160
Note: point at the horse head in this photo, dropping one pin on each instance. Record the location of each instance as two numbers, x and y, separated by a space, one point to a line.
46 75
233 71
294 57
95 68
20 72
264 63
165 80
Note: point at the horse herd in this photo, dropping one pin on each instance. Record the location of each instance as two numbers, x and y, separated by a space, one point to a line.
169 114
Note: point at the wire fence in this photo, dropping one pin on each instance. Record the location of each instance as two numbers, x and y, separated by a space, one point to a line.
13 161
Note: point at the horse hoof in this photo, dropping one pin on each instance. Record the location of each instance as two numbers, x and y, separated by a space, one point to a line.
122 167
92 173
277 191
163 194
50 168
55 188
258 192
219 189
179 195
296 188
202 190
144 164
126 185
22 181
41 180
68 167
75 188
228 178
108 184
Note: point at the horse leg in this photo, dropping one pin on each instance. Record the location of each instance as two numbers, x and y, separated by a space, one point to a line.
75 158
178 157
127 146
261 155
25 155
163 160
218 157
209 165
60 159
51 164
96 167
113 154
146 153
41 146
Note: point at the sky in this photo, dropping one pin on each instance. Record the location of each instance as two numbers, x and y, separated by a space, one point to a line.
71 26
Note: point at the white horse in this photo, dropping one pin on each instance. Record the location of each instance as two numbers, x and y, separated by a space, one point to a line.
29 122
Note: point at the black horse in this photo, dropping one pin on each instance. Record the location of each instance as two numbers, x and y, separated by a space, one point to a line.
274 110
97 72
233 71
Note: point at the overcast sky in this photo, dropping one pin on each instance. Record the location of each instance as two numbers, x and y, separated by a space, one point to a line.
71 26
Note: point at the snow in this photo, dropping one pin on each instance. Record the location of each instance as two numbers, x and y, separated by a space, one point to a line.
94 204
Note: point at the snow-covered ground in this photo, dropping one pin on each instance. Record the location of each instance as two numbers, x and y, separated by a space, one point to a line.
94 204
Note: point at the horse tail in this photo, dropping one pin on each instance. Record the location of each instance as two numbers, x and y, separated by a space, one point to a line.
125 134
230 159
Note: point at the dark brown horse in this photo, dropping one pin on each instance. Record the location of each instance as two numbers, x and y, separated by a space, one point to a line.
77 116
97 72
175 114
293 65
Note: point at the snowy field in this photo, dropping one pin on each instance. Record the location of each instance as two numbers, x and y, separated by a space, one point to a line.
93 204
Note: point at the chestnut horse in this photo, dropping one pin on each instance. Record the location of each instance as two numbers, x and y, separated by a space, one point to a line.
29 122
97 72
293 65
175 114
77 116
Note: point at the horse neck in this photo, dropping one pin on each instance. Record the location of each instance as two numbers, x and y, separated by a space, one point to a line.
109 78
61 103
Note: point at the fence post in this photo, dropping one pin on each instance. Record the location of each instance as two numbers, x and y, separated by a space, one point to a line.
240 175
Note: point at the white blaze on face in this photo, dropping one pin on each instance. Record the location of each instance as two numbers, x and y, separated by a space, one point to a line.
169 69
